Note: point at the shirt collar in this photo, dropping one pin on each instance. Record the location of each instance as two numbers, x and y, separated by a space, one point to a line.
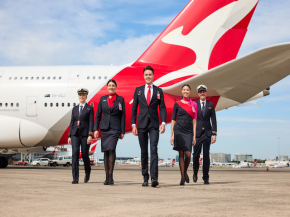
146 86
202 102
83 104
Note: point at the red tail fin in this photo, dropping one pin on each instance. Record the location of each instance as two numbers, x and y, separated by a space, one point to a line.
173 162
200 161
255 162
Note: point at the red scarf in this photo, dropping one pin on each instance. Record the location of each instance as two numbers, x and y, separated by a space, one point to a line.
112 100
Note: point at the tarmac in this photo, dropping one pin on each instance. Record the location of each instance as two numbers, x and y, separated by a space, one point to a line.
45 191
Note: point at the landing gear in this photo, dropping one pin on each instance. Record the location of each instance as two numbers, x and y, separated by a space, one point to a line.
3 162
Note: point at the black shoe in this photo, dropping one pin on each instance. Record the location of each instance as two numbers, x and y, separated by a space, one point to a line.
145 183
182 183
86 179
206 182
111 182
106 183
194 178
75 181
187 179
154 183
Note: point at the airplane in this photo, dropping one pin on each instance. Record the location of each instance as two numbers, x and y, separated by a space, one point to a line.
199 46
281 165
166 164
247 164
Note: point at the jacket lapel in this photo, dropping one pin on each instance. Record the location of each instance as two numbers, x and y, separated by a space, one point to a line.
142 90
154 96
78 110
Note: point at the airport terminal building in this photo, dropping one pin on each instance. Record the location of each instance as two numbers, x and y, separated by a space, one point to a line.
242 157
220 157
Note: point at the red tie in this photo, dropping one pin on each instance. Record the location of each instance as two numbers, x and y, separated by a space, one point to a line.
148 95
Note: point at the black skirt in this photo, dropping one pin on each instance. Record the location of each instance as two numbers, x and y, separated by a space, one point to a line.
183 135
109 139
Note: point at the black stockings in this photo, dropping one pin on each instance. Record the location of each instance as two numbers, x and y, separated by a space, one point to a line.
109 163
183 164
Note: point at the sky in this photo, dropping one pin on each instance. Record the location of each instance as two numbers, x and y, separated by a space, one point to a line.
95 32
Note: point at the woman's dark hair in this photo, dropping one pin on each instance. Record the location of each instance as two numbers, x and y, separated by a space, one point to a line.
112 80
186 85
148 68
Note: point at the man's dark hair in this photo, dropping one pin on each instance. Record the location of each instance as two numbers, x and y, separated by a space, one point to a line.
112 80
186 85
148 68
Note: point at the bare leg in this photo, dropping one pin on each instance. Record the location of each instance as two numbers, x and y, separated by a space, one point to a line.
181 165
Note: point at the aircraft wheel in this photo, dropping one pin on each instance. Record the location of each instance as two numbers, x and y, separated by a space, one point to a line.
3 162
68 164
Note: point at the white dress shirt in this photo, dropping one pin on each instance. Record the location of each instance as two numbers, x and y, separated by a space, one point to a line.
83 105
146 90
202 104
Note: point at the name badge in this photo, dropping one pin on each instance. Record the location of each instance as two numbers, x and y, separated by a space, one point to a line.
193 109
79 123
158 95
120 107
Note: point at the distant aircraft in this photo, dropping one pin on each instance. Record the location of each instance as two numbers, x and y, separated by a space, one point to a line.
222 163
167 163
281 165
247 164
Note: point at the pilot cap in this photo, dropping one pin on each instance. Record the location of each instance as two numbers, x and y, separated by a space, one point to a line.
201 88
83 90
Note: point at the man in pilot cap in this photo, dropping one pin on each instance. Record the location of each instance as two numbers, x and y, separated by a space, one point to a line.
206 130
80 135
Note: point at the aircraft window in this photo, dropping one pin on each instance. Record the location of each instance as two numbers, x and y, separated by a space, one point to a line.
11 104
62 104
59 78
6 104
100 77
10 78
20 78
26 78
15 78
68 104
56 104
94 77
37 78
105 77
51 104
48 78
0 104
17 104
45 104
31 78
92 104
88 77
42 78
54 78
75 104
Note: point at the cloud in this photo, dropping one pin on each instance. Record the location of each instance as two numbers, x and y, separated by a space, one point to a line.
269 26
158 21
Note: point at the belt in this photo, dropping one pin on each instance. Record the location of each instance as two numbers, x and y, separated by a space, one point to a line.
185 121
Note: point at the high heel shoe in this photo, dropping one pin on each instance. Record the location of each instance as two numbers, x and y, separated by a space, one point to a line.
111 182
187 179
182 183
106 182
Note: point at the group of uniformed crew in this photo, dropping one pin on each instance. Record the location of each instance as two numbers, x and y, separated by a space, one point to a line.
190 126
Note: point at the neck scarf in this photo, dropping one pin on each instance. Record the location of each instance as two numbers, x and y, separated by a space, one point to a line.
190 102
111 100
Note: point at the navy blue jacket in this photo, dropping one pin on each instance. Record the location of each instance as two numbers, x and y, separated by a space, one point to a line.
86 121
150 110
112 117
204 122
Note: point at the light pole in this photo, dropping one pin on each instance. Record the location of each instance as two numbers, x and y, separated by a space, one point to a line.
278 150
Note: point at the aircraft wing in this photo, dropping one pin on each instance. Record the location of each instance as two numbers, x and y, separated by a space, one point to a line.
243 78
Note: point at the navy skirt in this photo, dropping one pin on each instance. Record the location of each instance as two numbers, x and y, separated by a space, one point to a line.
183 136
109 139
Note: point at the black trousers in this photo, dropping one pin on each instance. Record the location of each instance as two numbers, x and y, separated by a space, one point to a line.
77 142
143 141
204 141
